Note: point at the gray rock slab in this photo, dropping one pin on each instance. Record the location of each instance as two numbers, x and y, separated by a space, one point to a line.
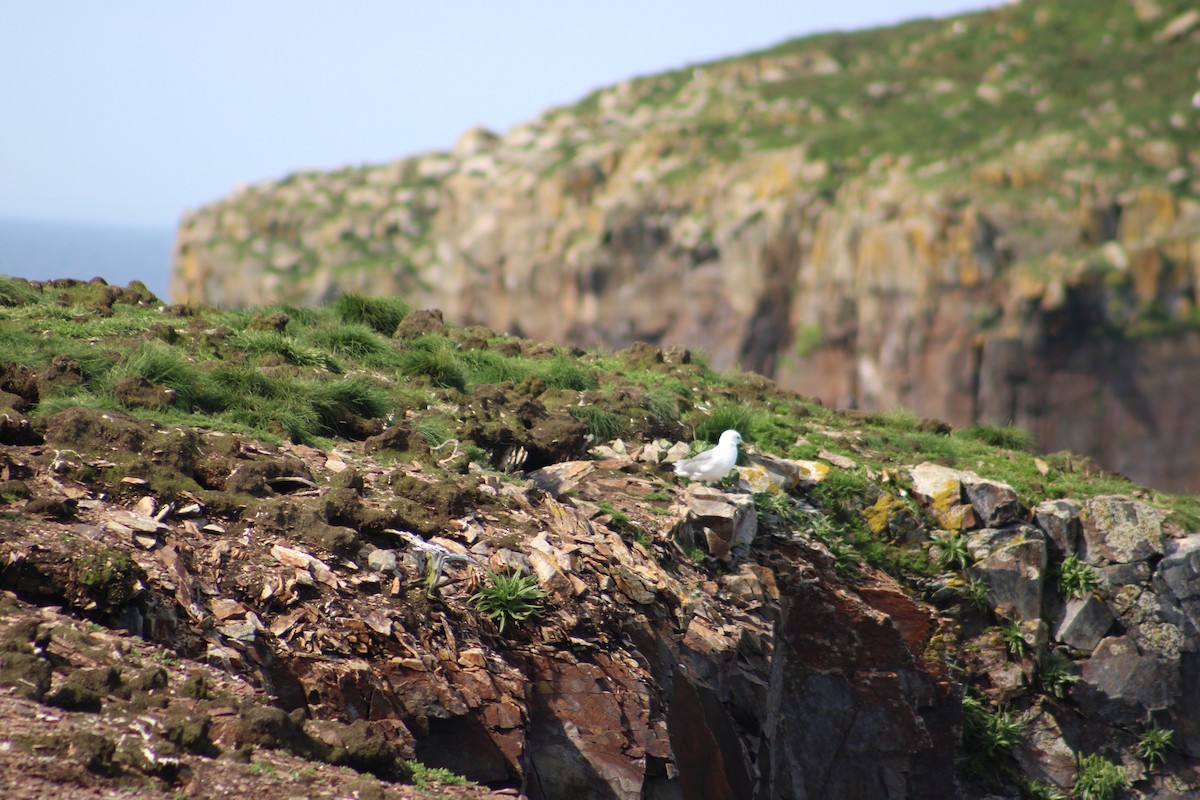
1084 623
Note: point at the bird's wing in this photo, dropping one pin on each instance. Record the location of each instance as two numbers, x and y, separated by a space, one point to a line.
697 463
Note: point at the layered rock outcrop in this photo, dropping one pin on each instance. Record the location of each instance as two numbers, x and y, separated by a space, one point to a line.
1027 253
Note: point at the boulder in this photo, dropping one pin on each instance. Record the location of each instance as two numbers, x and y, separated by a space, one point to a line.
995 503
1120 684
1060 520
1179 572
1012 562
941 490
1043 752
718 520
1084 623
1117 530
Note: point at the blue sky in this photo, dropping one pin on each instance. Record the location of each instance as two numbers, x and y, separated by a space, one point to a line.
129 112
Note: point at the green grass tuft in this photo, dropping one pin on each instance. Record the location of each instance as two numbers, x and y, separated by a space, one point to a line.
723 418
602 423
1009 437
509 597
436 358
561 372
381 314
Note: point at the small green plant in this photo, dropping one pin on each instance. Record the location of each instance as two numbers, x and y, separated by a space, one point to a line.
987 733
1056 673
435 358
1014 641
602 423
1076 579
952 552
1153 745
509 597
775 509
1010 437
561 372
1100 779
423 776
381 314
697 553
737 417
1040 790
623 522
976 592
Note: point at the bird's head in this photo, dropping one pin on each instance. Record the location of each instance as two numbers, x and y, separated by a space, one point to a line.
731 437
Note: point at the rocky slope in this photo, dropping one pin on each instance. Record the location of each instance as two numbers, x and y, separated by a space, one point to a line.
196 603
991 218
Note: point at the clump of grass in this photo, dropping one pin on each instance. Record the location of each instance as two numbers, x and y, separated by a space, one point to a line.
1009 437
561 372
987 734
662 404
1056 673
436 358
723 418
900 419
1153 745
1076 578
1100 779
259 343
424 777
162 364
381 314
509 597
602 423
952 552
1014 641
434 431
487 366
332 401
356 342
16 292
976 593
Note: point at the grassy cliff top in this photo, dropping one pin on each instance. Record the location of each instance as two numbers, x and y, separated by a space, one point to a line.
471 399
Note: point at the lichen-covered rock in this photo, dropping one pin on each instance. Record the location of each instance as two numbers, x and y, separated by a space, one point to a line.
941 490
1060 520
995 503
1117 530
1012 562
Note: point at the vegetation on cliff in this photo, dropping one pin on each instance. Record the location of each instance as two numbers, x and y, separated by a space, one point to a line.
988 219
356 538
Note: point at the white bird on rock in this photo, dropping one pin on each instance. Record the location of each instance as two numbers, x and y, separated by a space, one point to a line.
714 464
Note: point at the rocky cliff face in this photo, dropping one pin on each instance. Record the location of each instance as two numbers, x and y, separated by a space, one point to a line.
226 568
991 218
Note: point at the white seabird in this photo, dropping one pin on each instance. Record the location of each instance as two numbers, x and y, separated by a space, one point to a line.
714 464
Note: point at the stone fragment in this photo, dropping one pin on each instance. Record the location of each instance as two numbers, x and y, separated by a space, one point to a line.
677 452
940 488
995 503
765 473
719 521
1043 752
1084 623
382 560
1117 530
558 479
837 460
1060 521
1012 562
1119 684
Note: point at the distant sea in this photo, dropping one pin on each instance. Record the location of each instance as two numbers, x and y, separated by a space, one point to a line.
42 250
